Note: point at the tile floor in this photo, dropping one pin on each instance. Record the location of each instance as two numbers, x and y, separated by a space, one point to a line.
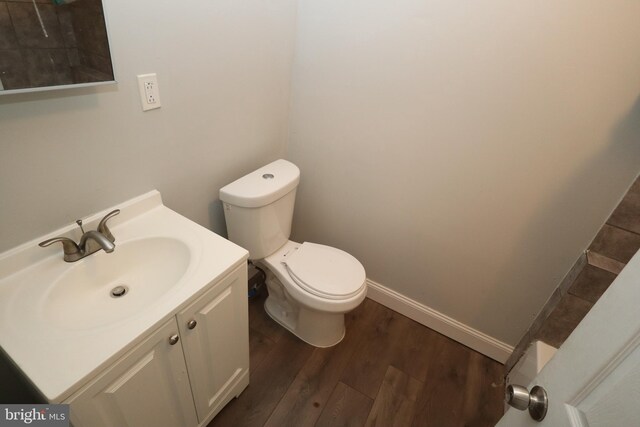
388 371
615 244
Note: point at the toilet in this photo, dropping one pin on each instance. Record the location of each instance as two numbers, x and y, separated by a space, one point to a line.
311 286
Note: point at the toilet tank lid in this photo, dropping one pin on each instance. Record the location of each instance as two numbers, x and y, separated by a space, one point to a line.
262 186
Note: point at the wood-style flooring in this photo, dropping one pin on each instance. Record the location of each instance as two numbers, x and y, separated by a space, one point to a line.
388 371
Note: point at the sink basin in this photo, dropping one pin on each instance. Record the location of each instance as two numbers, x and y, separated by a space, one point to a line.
106 288
59 322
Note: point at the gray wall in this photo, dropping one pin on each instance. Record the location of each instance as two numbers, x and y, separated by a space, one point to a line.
465 152
224 75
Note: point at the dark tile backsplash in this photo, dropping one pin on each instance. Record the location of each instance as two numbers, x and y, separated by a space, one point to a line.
13 69
563 320
8 38
591 283
616 243
627 214
48 67
92 37
29 31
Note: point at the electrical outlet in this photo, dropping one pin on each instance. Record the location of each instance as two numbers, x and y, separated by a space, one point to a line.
149 91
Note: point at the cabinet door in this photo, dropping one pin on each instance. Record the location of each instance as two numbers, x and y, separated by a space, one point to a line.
147 387
217 347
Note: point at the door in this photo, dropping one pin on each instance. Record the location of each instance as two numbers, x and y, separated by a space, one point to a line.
147 387
215 334
594 378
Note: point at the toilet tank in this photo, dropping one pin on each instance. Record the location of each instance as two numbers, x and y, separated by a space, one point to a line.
258 208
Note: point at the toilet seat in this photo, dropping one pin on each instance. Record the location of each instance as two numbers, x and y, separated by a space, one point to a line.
325 271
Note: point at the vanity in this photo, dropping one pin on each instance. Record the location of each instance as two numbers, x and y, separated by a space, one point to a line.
153 334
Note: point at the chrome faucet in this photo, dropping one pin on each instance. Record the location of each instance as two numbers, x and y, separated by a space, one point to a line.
90 242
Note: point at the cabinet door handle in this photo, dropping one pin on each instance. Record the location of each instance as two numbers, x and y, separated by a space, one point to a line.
173 339
191 324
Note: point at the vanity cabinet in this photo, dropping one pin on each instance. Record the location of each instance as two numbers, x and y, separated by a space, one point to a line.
183 373
215 337
147 387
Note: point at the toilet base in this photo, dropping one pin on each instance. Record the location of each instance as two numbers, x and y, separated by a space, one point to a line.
313 327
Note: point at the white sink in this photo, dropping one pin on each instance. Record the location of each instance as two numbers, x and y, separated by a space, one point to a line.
145 269
58 321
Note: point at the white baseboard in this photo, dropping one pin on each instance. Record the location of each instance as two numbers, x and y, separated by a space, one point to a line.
439 322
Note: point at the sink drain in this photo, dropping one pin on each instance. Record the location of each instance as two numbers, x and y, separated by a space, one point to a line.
119 291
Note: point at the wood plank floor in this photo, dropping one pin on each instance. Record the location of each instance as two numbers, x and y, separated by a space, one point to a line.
388 371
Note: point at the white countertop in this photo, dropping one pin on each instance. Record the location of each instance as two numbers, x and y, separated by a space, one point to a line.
59 360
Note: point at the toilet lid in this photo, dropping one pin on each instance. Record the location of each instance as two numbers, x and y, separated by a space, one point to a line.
325 271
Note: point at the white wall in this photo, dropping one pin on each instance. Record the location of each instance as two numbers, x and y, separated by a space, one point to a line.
465 151
224 75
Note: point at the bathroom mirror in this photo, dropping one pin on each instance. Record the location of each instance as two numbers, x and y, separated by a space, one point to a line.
52 44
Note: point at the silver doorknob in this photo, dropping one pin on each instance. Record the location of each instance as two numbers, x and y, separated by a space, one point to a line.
537 401
191 324
173 339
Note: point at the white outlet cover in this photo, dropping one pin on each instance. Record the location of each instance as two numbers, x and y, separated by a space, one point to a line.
149 91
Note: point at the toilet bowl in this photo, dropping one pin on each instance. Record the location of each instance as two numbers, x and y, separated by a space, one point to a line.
311 286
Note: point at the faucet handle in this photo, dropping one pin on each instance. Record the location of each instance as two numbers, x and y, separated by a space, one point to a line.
102 226
70 248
